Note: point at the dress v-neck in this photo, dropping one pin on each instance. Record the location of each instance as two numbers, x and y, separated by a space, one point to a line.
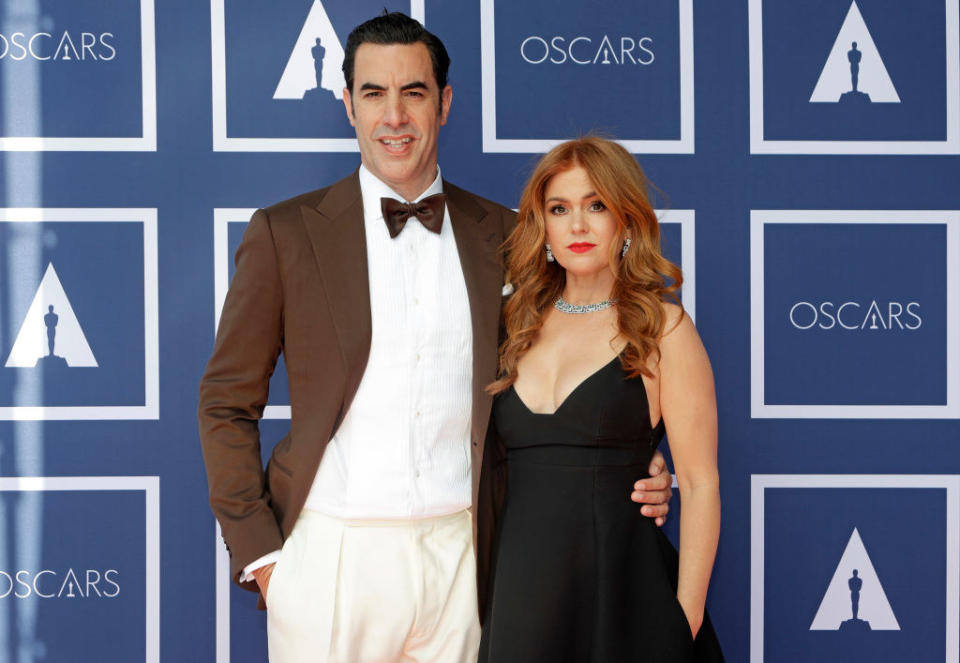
568 396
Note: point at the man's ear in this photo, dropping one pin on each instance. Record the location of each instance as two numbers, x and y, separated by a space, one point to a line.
446 98
348 105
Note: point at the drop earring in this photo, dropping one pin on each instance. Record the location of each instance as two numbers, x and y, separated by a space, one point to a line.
549 254
626 245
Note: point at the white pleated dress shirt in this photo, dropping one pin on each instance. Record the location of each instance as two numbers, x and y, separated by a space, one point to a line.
403 448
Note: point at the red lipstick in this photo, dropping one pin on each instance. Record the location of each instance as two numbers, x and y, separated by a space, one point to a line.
581 247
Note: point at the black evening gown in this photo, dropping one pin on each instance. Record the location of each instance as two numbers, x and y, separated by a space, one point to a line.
580 575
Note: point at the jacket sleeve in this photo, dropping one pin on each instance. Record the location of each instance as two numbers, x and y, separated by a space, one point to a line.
233 393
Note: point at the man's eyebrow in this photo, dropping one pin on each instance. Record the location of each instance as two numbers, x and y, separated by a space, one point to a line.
372 86
416 85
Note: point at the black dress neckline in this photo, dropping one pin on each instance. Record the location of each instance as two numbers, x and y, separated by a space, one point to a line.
569 396
659 428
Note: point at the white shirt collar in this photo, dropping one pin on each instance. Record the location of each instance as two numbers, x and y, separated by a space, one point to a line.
372 188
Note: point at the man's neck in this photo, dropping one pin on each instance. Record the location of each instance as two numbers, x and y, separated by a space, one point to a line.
409 193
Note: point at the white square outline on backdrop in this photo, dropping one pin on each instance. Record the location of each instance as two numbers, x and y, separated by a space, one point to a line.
224 143
222 218
760 145
758 406
686 218
488 97
151 330
150 485
148 100
760 482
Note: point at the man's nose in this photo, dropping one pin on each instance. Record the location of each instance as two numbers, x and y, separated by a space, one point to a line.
395 114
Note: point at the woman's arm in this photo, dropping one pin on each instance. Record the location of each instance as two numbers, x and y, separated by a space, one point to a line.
689 409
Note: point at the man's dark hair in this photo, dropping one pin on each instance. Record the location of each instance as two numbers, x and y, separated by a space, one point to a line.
396 28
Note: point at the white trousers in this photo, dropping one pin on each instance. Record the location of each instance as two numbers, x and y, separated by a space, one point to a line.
361 591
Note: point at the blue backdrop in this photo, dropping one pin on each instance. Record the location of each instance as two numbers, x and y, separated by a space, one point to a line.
809 192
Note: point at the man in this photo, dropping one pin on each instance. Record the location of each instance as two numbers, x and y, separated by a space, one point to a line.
360 535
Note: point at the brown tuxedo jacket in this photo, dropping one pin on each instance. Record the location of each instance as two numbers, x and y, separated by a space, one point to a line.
301 288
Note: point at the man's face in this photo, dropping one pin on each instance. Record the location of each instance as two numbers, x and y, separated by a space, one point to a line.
397 111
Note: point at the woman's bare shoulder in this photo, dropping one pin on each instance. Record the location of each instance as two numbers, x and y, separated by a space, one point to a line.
674 317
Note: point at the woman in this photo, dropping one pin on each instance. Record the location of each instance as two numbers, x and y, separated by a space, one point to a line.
596 366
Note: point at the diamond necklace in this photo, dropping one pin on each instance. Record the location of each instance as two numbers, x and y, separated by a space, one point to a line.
566 307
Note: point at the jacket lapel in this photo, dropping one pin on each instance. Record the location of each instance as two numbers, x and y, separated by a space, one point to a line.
336 231
478 238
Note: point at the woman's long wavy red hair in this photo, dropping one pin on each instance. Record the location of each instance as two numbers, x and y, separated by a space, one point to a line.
643 278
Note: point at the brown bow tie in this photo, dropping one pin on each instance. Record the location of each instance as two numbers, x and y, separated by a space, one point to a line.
429 211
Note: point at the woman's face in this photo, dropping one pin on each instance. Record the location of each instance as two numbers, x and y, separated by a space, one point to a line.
579 226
